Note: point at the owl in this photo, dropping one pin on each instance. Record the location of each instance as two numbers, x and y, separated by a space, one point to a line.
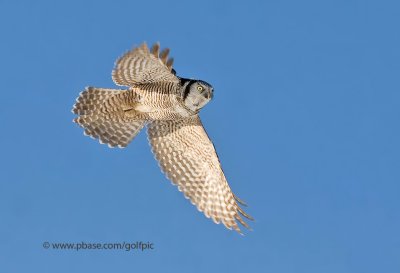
168 105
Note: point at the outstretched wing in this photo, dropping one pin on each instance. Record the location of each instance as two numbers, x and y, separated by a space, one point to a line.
102 113
188 158
142 66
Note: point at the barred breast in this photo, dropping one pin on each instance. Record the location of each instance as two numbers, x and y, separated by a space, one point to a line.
160 101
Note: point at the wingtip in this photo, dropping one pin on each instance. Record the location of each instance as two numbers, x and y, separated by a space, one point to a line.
240 201
155 49
164 55
242 212
169 63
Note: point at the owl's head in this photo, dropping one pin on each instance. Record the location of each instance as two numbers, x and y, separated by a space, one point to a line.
196 94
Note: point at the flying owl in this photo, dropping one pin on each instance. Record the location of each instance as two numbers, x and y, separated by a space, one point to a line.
168 106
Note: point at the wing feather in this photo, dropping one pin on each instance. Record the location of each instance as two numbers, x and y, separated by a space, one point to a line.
142 66
187 156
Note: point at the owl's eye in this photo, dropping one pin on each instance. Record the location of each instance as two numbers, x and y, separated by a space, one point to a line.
200 88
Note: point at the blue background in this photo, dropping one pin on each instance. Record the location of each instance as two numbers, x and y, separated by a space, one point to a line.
305 119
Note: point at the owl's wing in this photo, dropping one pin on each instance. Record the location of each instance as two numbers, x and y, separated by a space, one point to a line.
142 66
189 159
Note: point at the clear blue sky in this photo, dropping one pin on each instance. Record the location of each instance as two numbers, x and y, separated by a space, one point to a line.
305 119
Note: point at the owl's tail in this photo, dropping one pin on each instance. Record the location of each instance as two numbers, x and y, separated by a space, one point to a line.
102 114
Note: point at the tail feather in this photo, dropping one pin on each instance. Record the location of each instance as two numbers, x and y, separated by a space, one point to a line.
102 116
92 99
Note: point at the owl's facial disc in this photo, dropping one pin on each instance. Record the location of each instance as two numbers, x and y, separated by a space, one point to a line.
197 94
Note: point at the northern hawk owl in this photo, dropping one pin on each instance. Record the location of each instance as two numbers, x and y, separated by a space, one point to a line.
168 106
